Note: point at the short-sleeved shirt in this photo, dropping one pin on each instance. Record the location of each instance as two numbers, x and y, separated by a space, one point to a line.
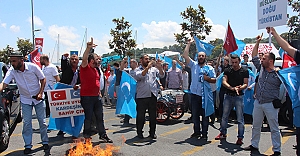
236 78
147 84
27 81
197 73
90 81
297 56
50 71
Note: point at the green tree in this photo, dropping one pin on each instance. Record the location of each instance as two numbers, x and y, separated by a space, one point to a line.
122 43
195 23
218 43
25 46
4 54
294 21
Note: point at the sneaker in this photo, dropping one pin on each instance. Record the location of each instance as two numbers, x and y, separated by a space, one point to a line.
220 136
204 137
276 154
195 135
27 150
152 136
105 138
140 136
239 141
45 147
61 133
250 148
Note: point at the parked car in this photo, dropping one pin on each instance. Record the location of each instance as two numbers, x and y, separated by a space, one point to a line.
10 111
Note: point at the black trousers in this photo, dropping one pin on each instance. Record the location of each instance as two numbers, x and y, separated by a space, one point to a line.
142 105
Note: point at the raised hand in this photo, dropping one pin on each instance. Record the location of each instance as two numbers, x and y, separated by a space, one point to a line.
91 43
271 30
259 37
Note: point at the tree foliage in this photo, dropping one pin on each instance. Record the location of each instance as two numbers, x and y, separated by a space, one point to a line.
25 46
294 21
4 54
194 23
122 43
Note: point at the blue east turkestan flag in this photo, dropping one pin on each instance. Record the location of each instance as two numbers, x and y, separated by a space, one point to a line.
219 81
75 94
169 61
111 88
126 96
203 46
64 124
248 101
241 45
290 78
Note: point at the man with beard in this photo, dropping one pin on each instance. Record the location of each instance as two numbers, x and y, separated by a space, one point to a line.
295 53
267 90
70 76
201 94
31 82
146 94
90 95
51 74
235 80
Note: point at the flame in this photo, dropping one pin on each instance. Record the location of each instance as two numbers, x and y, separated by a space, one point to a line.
85 147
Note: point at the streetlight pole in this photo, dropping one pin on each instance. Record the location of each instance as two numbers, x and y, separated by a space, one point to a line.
32 25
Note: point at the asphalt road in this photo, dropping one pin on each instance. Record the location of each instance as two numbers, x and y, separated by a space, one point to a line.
173 139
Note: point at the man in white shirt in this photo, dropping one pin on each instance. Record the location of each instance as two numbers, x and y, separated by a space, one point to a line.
51 74
31 82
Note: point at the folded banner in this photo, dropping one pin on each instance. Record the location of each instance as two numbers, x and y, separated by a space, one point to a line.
61 108
126 96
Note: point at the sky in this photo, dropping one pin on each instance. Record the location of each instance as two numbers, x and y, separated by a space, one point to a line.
153 22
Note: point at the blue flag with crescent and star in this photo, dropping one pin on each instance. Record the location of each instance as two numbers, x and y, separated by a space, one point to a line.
64 124
126 96
290 78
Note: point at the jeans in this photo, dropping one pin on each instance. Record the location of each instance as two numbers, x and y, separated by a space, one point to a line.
197 110
229 103
142 104
92 105
27 123
221 97
271 113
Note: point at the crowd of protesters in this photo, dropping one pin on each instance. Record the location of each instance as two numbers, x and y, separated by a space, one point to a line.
198 76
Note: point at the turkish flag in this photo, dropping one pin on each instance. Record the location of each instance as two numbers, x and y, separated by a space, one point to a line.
230 43
58 95
107 72
39 42
288 61
35 57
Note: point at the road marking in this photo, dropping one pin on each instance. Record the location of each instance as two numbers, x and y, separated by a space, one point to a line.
194 150
284 139
174 131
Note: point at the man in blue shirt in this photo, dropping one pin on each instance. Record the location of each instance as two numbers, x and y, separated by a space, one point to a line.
201 94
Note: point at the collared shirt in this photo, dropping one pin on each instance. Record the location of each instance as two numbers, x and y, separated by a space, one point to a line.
268 84
146 84
174 78
197 73
50 71
27 81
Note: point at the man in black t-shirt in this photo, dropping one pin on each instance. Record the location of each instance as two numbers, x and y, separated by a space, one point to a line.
235 80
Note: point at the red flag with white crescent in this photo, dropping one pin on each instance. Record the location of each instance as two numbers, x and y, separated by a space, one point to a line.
35 57
288 61
230 43
107 72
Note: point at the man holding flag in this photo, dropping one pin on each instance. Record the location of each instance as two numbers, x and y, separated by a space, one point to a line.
201 94
295 53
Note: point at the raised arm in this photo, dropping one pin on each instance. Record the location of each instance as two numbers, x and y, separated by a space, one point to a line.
186 52
282 43
255 48
89 46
